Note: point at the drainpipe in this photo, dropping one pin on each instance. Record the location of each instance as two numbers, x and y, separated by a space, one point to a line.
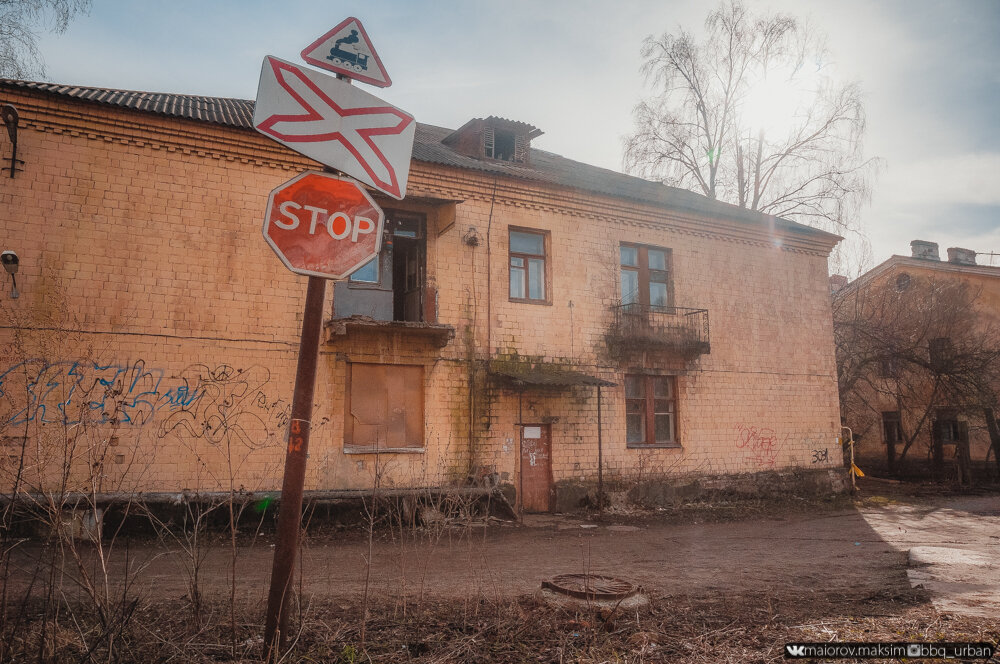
600 455
520 456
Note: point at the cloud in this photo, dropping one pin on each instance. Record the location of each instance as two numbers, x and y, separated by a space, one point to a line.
962 179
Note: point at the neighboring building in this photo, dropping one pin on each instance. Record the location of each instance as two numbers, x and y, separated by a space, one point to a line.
517 290
919 356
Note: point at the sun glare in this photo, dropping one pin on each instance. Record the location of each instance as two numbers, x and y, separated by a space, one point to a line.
777 100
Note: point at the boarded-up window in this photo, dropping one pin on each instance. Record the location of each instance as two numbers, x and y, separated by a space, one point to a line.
385 407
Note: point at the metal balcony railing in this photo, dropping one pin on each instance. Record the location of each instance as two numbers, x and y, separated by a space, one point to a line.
638 327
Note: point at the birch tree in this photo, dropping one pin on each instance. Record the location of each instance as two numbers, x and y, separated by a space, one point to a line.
20 23
752 115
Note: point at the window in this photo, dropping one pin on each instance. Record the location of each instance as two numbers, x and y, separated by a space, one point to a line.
947 427
888 367
941 352
499 144
527 266
651 411
384 409
367 273
892 431
645 275
505 145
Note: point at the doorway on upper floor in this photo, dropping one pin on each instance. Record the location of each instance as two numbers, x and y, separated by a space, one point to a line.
392 287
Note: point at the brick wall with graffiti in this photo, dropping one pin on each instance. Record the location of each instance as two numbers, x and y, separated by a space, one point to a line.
163 322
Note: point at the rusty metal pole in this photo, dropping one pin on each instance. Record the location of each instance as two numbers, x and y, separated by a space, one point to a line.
290 510
600 455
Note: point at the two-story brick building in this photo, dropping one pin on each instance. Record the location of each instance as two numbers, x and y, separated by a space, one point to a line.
531 320
918 340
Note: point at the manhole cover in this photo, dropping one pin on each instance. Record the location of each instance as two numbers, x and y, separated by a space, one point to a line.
591 586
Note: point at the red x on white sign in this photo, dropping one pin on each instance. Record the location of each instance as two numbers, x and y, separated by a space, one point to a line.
336 124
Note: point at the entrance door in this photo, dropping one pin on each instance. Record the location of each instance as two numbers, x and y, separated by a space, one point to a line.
536 468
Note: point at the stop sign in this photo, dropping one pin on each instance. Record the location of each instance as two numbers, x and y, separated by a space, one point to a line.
323 225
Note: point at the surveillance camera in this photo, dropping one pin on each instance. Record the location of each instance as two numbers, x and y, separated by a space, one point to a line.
10 261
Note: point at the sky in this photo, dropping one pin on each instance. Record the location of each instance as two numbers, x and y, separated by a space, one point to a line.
929 69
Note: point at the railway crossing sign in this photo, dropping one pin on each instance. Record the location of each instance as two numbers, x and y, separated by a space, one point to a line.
347 50
335 123
322 225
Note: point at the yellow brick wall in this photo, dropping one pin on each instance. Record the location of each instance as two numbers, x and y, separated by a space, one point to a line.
145 280
867 426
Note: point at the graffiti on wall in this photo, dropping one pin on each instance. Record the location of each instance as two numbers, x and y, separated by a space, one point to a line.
230 404
215 403
760 445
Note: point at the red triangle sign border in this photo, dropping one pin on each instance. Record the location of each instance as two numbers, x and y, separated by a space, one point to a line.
350 73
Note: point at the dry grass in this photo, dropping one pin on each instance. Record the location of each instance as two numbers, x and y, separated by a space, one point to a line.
718 628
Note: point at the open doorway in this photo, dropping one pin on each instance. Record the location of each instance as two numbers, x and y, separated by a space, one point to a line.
409 265
392 286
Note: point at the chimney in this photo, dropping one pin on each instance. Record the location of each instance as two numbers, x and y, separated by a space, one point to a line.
837 281
961 256
924 249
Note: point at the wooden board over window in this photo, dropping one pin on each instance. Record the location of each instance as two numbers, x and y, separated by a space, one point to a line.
384 409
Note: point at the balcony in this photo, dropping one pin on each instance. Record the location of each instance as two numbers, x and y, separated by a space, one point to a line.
367 329
675 330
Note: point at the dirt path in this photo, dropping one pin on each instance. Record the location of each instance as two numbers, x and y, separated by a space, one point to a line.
821 553
862 552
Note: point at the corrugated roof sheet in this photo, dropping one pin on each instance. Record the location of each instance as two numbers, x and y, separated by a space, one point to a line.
217 110
545 167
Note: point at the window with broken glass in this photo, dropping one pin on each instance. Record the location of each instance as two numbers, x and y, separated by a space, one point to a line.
527 266
651 411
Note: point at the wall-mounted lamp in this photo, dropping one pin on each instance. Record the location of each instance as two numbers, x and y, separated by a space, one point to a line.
10 262
10 118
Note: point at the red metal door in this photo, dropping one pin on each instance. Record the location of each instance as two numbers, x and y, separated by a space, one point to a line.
536 468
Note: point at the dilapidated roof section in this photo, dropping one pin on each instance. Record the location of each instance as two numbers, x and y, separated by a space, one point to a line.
546 376
543 167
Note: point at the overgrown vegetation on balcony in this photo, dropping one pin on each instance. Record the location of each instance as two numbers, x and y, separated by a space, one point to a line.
635 327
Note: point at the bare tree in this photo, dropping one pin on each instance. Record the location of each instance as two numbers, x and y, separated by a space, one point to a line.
919 346
751 116
20 22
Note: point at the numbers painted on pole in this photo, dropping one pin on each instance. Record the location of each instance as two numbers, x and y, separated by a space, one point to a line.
295 437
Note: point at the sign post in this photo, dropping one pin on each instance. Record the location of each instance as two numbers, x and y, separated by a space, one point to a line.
290 509
323 226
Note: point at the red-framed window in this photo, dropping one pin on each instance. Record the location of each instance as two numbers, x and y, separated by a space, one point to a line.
651 410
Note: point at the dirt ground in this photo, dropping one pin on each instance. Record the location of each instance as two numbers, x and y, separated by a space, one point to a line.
887 565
